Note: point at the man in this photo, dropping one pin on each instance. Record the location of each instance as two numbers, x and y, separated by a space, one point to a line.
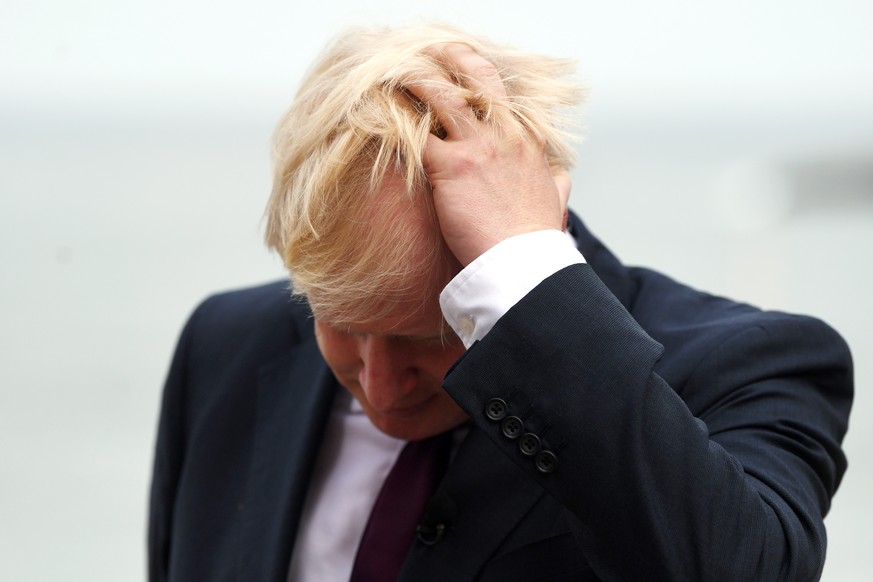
608 423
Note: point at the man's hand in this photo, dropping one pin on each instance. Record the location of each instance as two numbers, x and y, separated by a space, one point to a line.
488 183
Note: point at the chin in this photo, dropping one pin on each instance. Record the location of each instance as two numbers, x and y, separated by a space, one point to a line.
415 429
408 430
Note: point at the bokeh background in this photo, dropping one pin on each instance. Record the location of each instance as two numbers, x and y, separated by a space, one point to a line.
727 144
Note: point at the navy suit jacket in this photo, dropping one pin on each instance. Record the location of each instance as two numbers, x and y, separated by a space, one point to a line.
692 438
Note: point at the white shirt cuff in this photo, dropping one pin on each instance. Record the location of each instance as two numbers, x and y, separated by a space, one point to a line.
488 287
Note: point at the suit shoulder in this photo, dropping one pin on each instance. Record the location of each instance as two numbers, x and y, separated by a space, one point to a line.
691 323
266 311
664 306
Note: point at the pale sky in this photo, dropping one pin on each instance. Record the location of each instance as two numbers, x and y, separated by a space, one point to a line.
81 54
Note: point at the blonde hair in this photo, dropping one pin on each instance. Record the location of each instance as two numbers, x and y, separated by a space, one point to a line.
352 253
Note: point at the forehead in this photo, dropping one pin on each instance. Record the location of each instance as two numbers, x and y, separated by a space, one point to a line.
421 318
387 264
392 202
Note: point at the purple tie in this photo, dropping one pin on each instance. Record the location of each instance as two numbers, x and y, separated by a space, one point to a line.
400 504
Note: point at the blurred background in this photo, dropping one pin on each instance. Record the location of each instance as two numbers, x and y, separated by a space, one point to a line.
729 145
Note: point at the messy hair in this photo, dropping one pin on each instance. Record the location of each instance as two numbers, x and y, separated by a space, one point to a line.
353 122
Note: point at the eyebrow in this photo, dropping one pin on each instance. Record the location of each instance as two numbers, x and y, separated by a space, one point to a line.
444 333
408 336
417 337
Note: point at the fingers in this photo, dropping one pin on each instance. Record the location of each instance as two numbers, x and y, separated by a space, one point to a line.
451 109
480 75
462 96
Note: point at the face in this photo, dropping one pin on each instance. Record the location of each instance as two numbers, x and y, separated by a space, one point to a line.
394 368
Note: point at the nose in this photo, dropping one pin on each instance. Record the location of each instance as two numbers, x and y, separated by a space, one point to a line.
387 376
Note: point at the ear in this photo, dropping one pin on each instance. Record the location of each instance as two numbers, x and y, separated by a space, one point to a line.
563 184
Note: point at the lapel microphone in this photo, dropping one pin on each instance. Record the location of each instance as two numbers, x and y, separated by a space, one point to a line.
439 515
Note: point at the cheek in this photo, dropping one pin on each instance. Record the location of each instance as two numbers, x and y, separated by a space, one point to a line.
436 362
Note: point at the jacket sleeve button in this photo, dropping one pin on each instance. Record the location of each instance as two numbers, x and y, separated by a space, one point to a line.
495 409
546 462
529 444
512 427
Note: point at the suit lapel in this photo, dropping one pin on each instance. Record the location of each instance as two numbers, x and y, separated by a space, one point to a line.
294 395
485 495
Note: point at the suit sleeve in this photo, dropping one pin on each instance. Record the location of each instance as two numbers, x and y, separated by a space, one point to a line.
727 477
